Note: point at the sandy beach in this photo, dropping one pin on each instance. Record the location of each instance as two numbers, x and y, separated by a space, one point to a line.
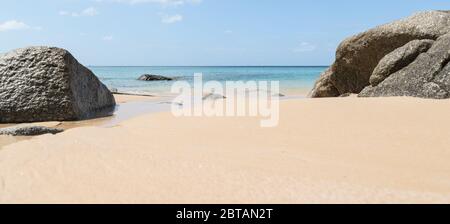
340 150
231 103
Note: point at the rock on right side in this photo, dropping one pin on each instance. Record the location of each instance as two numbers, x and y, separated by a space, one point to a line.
408 57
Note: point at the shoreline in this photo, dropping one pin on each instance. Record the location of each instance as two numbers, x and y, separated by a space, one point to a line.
129 106
121 99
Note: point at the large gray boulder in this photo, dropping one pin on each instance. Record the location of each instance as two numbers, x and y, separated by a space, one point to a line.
357 56
324 86
398 59
427 77
48 84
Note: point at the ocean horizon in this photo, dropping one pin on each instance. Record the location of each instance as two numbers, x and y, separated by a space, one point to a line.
125 78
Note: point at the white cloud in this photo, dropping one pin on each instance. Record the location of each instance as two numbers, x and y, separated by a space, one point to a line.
228 31
305 47
91 11
171 18
161 2
108 38
16 25
63 13
195 1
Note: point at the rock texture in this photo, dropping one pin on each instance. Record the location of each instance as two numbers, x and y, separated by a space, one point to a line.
148 77
29 131
213 96
399 59
48 84
357 57
324 86
427 77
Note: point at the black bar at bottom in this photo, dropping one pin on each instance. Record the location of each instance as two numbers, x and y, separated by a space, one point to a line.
225 213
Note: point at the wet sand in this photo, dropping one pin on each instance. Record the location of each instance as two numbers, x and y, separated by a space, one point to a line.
128 107
343 150
126 98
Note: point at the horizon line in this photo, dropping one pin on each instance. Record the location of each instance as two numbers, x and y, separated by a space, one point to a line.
208 65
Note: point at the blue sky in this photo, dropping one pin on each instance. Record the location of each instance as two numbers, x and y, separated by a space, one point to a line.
197 32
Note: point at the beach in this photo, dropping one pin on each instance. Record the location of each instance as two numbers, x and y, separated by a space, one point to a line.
332 150
227 103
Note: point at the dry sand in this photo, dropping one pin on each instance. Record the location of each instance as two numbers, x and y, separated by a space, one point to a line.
346 150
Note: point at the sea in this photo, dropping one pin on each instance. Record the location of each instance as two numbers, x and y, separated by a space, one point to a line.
125 79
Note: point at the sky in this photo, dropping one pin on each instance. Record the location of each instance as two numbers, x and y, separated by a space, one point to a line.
197 32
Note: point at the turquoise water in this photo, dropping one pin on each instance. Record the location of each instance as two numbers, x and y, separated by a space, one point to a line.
124 79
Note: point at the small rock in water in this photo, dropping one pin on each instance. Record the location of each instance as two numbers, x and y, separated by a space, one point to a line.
174 103
29 131
268 92
149 77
